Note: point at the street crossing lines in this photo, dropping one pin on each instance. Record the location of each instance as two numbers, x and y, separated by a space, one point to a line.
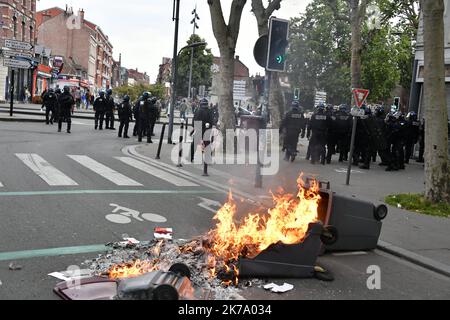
45 170
158 173
107 173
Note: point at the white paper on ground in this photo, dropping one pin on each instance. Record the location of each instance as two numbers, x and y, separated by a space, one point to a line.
279 289
71 275
166 236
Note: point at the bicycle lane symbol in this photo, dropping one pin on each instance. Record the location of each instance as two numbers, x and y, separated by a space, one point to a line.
123 215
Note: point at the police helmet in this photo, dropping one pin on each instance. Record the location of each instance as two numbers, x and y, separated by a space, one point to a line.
295 104
204 102
412 116
321 106
109 92
101 94
126 98
66 89
379 111
58 91
398 115
146 95
343 108
51 90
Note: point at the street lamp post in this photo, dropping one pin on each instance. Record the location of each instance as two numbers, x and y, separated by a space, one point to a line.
174 88
194 22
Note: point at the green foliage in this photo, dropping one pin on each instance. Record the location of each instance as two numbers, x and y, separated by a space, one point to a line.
201 67
418 203
380 72
320 50
136 91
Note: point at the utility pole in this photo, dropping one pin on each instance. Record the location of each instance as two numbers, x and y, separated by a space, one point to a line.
176 18
194 22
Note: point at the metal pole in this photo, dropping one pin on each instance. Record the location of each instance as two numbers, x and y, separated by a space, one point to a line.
176 18
158 155
192 59
180 145
258 179
11 106
352 150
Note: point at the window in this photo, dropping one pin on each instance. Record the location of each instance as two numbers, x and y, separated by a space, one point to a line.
23 30
15 27
31 35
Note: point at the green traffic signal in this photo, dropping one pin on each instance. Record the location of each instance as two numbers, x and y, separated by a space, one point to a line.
280 59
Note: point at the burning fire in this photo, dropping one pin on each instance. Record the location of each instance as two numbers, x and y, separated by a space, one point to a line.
287 222
132 270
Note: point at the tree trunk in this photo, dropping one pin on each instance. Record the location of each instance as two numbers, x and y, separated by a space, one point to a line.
226 108
226 36
437 185
358 12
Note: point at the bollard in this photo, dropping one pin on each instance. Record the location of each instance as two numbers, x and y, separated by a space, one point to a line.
180 144
205 164
158 155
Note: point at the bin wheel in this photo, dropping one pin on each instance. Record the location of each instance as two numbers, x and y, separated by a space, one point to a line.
329 235
381 212
165 292
181 269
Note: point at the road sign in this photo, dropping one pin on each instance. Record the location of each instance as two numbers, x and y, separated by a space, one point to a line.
360 96
18 45
17 54
21 64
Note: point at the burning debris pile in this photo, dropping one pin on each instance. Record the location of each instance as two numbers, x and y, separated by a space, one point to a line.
214 259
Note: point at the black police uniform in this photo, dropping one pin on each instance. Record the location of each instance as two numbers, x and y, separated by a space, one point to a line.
293 124
100 105
412 137
318 131
51 104
136 111
125 116
109 113
65 104
148 114
343 128
204 115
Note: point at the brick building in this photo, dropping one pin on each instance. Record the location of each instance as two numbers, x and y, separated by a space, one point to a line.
86 49
17 21
135 77
165 71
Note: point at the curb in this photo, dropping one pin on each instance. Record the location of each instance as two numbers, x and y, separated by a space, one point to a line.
422 261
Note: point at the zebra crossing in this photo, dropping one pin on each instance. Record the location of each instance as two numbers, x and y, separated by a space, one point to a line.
54 177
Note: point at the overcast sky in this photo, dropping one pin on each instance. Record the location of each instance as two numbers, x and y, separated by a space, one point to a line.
143 31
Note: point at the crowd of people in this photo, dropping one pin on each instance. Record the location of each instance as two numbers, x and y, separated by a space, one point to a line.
387 134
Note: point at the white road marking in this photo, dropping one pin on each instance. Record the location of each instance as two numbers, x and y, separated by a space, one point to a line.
81 123
1 185
102 170
161 174
210 205
45 170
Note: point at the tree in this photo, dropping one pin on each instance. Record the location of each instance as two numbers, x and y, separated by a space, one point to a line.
226 36
357 15
262 15
136 91
201 67
437 176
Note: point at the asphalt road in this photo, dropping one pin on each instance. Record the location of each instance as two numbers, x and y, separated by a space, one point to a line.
53 196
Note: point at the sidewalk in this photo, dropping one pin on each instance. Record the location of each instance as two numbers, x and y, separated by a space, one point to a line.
422 239
33 110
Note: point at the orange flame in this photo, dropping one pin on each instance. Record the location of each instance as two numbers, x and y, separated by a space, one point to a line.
132 270
287 222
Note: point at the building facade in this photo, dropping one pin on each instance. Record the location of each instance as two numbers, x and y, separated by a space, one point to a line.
85 48
18 22
135 77
165 71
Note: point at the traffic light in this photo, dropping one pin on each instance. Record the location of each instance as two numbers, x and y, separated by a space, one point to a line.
278 42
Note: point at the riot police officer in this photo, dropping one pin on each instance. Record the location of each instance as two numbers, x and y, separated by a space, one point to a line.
396 130
66 103
100 106
204 115
317 132
50 102
342 129
109 112
412 135
293 124
148 114
364 141
125 116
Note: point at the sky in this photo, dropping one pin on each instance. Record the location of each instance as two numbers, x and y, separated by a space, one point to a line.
143 30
